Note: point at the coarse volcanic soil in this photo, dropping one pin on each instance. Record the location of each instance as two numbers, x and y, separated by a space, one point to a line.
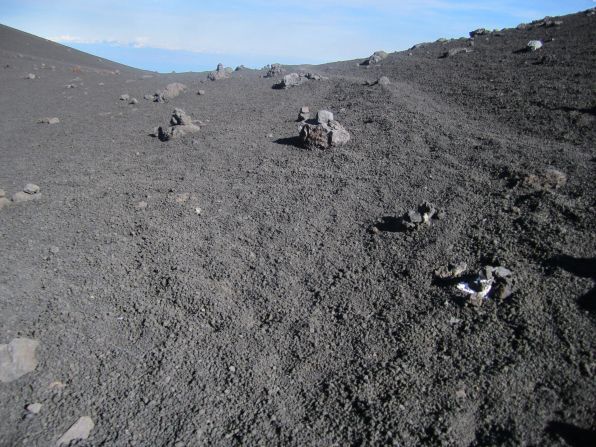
275 316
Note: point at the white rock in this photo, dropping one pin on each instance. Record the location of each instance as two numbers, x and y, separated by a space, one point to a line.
79 430
4 202
34 408
534 45
22 196
31 188
17 358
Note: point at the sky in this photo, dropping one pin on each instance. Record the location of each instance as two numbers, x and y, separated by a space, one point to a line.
185 35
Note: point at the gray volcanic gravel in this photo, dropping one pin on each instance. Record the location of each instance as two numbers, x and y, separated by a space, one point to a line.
230 287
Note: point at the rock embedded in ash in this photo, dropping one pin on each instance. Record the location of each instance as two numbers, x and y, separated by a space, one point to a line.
424 215
219 73
4 202
534 45
81 429
451 270
31 188
201 92
2 193
34 408
375 58
53 120
384 81
290 80
180 118
181 124
323 133
30 76
478 32
17 358
304 114
549 179
273 70
124 97
149 97
133 101
455 51
170 92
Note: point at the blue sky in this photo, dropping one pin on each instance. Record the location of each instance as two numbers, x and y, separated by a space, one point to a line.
195 35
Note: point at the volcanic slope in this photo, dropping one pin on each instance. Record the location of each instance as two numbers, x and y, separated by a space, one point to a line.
232 288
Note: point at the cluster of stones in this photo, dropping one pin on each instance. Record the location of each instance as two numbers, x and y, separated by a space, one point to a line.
273 70
180 124
424 215
294 79
323 132
29 192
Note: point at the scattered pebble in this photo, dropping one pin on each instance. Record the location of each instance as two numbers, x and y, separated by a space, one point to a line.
30 76
141 205
451 270
79 430
201 92
34 408
17 358
53 120
124 97
134 101
232 369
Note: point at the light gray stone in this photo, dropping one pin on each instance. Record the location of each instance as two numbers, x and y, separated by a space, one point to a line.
31 188
324 116
34 408
4 202
81 429
17 358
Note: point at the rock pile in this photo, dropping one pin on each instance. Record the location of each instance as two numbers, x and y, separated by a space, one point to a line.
424 215
219 73
180 124
323 132
375 58
273 70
